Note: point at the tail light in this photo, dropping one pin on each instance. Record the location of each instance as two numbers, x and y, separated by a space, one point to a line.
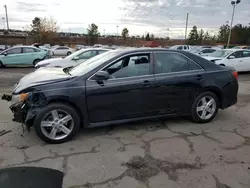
235 74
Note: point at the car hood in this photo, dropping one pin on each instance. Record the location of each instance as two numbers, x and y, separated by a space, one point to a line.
40 77
65 64
48 61
212 58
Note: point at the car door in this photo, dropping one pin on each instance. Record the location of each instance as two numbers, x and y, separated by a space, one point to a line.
128 92
246 60
177 81
29 55
235 60
13 56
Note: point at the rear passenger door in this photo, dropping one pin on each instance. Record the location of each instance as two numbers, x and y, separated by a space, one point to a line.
28 55
177 81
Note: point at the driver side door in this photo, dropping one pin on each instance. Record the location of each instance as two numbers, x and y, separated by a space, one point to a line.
126 94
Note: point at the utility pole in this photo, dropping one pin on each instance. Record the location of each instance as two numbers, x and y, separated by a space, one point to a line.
234 3
117 30
7 20
186 28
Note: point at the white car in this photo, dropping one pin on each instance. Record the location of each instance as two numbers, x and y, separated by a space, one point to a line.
62 50
73 59
239 59
203 51
181 47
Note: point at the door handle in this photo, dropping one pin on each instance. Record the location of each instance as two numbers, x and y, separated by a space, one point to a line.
146 83
199 77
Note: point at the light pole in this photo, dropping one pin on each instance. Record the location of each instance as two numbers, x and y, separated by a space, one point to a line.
3 18
234 3
186 28
117 30
7 20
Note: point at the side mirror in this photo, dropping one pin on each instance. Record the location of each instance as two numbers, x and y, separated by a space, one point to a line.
76 58
101 75
231 57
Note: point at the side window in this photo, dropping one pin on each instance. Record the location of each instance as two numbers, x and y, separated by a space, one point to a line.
87 55
14 51
238 54
130 66
62 48
208 51
179 48
185 47
28 50
246 53
173 62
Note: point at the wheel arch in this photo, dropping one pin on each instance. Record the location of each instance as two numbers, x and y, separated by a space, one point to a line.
214 90
65 100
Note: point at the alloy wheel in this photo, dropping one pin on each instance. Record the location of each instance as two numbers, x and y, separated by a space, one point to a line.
57 124
206 107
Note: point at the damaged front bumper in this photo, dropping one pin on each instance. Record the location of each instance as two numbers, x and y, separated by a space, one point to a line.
25 111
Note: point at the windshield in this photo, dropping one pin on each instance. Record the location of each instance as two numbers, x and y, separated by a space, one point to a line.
221 53
71 56
92 63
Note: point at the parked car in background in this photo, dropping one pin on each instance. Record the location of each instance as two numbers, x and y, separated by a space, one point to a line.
62 50
181 47
203 51
22 55
239 59
121 86
73 59
241 47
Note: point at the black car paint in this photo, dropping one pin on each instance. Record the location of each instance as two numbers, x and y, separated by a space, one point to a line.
134 98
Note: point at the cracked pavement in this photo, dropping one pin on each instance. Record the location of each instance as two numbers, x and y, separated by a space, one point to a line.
159 153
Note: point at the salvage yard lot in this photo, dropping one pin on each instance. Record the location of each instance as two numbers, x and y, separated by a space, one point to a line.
147 154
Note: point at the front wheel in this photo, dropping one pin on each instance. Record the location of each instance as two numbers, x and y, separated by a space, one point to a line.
36 61
205 107
57 123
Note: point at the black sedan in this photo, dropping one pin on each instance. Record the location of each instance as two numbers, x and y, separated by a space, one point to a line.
121 86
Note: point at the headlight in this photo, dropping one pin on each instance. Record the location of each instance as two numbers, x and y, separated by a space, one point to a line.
19 98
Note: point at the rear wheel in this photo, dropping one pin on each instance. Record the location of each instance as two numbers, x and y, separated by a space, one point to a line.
205 107
68 53
57 123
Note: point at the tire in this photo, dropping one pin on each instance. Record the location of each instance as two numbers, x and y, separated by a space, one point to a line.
1 65
60 108
36 61
68 53
197 116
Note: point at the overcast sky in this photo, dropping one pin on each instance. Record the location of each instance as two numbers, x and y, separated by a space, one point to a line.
139 16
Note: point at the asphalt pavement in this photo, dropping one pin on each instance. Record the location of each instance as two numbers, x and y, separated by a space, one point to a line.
174 153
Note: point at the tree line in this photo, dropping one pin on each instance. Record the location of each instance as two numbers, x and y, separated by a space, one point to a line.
240 35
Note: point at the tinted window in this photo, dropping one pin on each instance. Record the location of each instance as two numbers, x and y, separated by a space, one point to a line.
173 62
246 53
130 66
179 48
207 51
87 55
62 48
238 54
28 50
185 47
14 51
